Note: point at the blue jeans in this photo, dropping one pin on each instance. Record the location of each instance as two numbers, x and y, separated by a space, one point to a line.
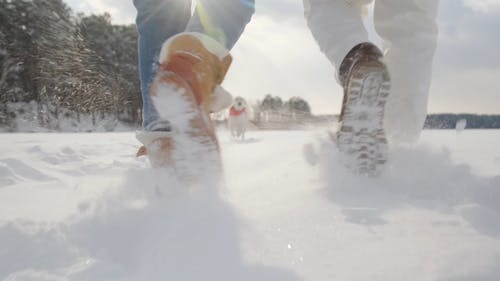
158 20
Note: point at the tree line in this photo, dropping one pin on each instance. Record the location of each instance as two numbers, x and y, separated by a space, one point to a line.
55 65
275 103
473 121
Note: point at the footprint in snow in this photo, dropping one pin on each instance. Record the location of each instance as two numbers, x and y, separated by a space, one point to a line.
19 169
6 176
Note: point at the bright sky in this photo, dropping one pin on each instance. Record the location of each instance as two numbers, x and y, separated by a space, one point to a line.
466 68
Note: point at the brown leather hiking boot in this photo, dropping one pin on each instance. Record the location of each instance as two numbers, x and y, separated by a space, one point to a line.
192 66
361 137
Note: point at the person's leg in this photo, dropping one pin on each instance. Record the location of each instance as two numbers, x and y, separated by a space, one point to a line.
336 25
409 30
223 20
156 21
338 28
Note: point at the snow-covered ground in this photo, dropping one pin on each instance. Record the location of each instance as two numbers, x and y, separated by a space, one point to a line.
82 207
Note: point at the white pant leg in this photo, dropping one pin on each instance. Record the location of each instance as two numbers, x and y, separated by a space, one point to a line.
409 31
336 25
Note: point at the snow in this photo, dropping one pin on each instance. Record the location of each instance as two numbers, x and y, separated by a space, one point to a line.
25 120
81 207
461 124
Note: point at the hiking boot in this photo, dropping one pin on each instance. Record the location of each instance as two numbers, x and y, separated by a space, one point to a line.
361 137
185 90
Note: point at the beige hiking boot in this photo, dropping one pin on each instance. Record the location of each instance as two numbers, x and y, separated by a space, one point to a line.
192 67
361 137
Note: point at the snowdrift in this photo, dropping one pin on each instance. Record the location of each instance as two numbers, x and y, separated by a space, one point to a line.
80 207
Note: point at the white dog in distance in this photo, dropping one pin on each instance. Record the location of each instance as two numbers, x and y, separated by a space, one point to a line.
238 118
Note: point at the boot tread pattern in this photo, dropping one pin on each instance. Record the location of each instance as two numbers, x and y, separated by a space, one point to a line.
361 138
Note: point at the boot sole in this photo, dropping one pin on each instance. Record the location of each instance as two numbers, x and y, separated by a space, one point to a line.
361 137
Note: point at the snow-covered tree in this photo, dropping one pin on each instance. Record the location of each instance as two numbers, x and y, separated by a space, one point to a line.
116 48
50 57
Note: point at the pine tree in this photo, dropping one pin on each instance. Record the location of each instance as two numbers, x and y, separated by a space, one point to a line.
17 70
116 47
67 65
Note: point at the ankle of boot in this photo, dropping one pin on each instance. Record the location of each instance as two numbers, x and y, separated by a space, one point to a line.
199 60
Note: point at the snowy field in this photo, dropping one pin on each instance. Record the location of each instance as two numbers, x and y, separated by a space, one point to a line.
82 207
